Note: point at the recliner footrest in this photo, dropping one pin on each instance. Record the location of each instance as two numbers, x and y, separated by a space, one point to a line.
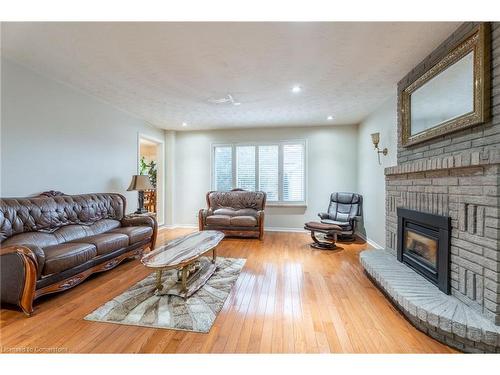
329 230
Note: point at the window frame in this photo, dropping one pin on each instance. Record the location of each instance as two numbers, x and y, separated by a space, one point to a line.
256 144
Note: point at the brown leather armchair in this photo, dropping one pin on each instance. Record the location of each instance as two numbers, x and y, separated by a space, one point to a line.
53 242
237 213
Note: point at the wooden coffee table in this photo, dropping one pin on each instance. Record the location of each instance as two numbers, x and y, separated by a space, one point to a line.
185 255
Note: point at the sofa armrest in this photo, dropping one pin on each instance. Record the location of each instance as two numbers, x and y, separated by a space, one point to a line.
18 275
135 221
202 218
260 223
145 220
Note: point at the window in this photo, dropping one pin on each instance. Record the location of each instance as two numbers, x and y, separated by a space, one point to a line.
269 171
293 173
223 172
276 168
245 167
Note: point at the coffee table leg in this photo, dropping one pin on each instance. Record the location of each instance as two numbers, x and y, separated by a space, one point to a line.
159 285
214 255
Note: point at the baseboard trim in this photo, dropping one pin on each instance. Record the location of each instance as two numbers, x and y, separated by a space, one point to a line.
186 226
266 229
285 229
370 241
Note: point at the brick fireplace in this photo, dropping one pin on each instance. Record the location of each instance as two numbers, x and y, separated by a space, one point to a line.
457 176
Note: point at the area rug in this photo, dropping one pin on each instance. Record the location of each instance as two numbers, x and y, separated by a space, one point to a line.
139 306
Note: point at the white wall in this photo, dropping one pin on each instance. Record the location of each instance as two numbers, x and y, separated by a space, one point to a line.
331 166
371 178
54 137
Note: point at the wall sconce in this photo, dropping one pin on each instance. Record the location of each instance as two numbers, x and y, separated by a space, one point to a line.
376 140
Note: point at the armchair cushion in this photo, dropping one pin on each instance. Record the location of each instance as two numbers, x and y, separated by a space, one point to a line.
243 221
235 212
219 220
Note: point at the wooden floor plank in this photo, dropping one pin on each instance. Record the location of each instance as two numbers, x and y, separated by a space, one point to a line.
289 298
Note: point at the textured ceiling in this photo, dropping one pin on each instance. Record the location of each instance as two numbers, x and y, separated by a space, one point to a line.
166 72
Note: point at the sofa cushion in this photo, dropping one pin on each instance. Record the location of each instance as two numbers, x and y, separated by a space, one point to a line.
243 221
135 234
71 232
233 212
31 238
106 242
64 256
219 220
76 231
103 226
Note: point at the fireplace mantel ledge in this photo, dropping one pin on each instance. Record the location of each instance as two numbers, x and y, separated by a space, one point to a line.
442 316
465 159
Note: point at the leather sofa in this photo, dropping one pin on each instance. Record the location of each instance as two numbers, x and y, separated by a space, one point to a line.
344 210
237 213
53 242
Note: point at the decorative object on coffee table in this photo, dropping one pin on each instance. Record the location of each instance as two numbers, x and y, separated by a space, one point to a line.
329 232
140 183
140 305
185 255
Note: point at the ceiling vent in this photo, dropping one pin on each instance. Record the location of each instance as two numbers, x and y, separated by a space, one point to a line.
227 100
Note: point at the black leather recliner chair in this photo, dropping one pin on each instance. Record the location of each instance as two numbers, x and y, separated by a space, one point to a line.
345 211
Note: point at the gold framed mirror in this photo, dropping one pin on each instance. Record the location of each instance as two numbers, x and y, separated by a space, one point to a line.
452 95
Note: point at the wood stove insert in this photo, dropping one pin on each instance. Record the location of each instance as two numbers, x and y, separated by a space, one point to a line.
424 245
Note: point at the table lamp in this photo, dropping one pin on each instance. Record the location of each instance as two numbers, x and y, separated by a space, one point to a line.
140 183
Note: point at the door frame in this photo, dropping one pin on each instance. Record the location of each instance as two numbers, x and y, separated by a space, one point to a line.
160 180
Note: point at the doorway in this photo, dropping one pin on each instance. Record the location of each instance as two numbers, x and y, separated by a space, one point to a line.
151 162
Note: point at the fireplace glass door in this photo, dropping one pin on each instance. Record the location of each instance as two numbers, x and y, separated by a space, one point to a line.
421 248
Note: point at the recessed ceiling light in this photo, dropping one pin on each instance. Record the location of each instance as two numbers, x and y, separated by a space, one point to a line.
296 89
329 118
184 124
236 103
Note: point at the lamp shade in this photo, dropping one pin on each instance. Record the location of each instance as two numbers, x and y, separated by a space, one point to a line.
375 139
140 183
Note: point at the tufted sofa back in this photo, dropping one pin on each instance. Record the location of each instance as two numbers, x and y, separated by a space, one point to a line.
47 214
236 199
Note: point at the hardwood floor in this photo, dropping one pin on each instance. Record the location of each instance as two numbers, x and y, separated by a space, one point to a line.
289 298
